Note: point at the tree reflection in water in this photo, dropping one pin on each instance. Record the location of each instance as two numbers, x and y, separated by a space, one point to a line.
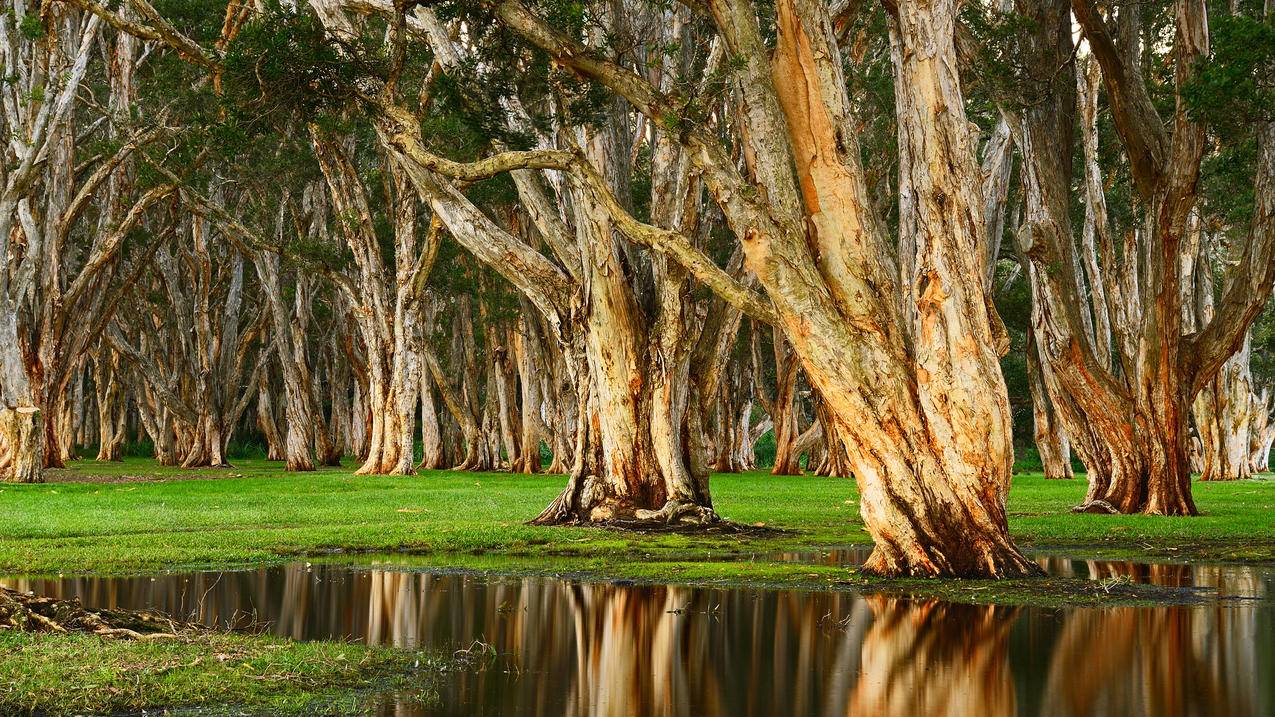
571 648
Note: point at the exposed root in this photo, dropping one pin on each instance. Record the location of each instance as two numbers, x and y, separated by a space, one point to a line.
678 511
720 527
585 501
33 613
1100 507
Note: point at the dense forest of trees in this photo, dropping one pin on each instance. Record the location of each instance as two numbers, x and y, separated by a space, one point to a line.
632 242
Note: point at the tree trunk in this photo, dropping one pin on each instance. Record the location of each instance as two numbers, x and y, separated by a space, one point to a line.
1223 419
1261 431
267 421
1051 439
644 459
784 411
110 405
21 424
432 457
532 367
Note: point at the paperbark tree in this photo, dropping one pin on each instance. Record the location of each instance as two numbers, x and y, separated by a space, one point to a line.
635 441
289 347
1223 409
1126 401
56 293
1051 440
1262 432
905 353
111 406
47 69
917 394
192 348
388 323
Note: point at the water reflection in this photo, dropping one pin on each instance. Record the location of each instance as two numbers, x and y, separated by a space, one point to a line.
571 648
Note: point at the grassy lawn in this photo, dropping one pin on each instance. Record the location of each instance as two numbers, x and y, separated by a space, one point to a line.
257 675
137 517
256 513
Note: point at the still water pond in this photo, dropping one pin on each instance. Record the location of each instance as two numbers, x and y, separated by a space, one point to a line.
566 647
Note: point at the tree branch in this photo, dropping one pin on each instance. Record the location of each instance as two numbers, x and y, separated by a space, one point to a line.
1249 286
159 30
677 247
1140 127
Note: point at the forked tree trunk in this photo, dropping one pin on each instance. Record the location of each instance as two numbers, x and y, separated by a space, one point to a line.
949 392
388 324
1131 420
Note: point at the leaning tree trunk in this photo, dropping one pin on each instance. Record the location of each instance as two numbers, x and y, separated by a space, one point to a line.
930 509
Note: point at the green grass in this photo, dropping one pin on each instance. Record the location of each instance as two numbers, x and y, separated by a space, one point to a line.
256 513
257 675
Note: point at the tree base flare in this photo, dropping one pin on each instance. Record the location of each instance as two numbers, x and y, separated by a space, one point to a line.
997 561
21 445
585 501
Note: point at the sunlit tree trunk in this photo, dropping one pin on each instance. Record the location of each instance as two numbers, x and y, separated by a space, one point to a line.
905 387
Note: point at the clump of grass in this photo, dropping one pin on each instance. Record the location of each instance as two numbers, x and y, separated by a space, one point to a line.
70 674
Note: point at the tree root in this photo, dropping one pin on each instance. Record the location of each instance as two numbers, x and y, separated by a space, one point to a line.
26 612
678 511
1100 507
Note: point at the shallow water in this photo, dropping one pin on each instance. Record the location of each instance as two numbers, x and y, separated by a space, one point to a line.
566 647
